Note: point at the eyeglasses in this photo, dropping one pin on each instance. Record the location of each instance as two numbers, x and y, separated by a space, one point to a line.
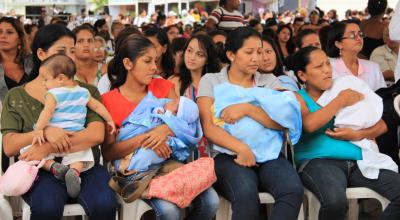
96 49
353 35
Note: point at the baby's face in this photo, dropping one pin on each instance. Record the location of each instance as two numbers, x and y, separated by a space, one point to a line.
49 81
172 106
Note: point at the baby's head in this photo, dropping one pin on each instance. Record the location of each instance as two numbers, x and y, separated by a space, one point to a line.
172 106
56 70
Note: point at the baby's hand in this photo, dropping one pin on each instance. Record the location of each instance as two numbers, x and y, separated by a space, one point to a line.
38 137
111 127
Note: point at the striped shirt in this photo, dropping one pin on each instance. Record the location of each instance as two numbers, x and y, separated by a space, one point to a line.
226 20
70 111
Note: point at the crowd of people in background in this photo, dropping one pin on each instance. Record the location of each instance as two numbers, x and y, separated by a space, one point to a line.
296 56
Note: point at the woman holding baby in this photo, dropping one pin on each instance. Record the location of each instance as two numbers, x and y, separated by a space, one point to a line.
135 65
240 175
329 158
21 109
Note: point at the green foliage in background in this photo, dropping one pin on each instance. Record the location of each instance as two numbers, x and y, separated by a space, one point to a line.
99 4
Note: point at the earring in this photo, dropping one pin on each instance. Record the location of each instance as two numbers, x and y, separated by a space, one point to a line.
19 47
340 52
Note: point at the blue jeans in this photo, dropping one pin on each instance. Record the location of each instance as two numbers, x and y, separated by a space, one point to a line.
328 180
240 185
203 207
48 196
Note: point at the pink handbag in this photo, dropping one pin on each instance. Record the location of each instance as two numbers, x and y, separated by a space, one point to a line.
183 184
19 177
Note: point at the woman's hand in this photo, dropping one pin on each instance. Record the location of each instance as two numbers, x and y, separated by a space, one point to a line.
156 136
245 157
58 138
162 150
349 97
234 113
346 134
36 152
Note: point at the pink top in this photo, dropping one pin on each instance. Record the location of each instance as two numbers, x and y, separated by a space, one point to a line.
368 71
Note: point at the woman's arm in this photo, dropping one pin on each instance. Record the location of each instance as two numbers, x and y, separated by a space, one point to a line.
113 150
13 142
353 135
220 137
91 136
313 121
233 113
177 83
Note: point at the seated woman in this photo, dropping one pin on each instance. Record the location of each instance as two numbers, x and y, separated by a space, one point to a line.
48 195
326 156
239 177
134 66
181 115
272 63
199 57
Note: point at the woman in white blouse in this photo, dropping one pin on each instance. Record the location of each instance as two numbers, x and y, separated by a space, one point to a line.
344 43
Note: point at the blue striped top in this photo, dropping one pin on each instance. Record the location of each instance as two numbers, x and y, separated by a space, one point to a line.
70 111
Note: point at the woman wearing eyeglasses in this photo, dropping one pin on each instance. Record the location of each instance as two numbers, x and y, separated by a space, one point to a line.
99 50
344 43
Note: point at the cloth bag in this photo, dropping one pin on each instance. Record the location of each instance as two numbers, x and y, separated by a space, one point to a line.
138 188
19 177
183 184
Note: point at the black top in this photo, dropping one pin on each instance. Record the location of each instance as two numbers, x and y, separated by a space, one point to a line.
370 44
11 83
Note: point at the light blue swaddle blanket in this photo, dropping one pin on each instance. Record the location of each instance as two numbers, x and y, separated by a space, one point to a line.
185 125
281 107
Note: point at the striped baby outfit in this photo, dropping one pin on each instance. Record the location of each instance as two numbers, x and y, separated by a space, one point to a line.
70 111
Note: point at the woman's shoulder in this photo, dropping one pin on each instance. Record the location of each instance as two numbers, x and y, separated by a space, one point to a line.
369 65
160 87
267 81
92 89
17 91
174 79
109 95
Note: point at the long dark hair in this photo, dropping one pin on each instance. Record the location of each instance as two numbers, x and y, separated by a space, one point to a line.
237 37
289 45
132 47
278 70
212 63
23 50
44 39
167 60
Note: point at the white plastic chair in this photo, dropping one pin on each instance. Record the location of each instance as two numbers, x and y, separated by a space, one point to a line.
69 210
225 211
352 194
5 209
133 210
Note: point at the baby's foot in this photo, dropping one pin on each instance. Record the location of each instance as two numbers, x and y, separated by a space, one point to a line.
73 182
59 170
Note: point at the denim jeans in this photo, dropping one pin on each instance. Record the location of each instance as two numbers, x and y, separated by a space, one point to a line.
328 180
203 207
48 196
240 185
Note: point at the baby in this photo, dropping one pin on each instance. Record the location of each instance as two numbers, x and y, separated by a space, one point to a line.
66 107
181 115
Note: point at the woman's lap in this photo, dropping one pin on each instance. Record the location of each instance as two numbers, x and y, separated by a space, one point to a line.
48 196
328 180
203 207
240 185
